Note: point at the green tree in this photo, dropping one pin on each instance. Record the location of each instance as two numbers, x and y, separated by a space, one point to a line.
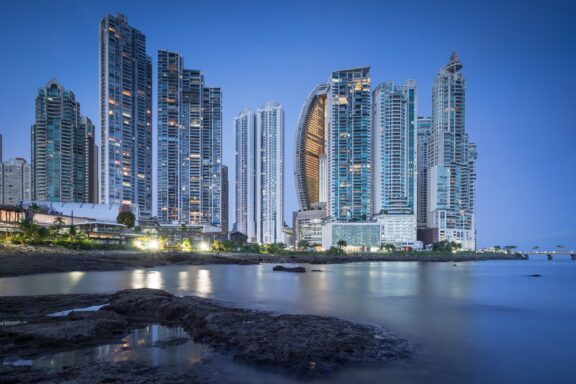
446 246
127 218
497 248
342 243
536 247
333 251
303 245
217 246
58 224
28 227
73 232
389 247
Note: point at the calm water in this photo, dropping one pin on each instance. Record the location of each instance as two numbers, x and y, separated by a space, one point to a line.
474 322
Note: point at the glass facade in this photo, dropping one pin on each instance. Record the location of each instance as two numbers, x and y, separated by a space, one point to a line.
423 130
189 145
245 183
310 147
349 149
126 116
394 115
270 173
451 161
62 144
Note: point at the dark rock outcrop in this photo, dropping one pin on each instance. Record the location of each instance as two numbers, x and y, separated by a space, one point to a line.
302 345
280 268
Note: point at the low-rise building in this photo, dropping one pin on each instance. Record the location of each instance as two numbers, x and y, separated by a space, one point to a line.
308 224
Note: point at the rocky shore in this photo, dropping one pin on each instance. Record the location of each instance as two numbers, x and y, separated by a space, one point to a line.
303 346
27 260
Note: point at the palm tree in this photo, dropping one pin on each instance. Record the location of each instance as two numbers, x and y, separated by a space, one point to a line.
59 223
28 227
342 243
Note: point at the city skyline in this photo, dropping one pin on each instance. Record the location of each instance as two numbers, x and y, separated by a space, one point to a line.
501 190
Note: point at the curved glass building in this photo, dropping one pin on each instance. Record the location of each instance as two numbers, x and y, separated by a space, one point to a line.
311 148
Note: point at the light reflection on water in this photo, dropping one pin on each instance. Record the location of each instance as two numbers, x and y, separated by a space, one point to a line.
138 346
471 322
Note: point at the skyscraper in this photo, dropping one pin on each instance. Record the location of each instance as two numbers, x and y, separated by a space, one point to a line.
245 183
15 182
311 167
224 198
349 145
189 145
61 147
91 166
311 147
394 161
423 130
270 173
126 116
259 211
451 161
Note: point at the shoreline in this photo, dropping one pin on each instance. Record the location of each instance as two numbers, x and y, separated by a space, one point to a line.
300 346
20 261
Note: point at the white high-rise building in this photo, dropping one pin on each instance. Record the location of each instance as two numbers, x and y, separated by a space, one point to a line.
270 173
451 162
245 184
394 162
259 211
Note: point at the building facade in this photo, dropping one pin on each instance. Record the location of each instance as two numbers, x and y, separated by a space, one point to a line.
15 182
224 198
245 182
311 167
189 145
349 146
394 162
451 162
423 130
62 146
125 115
270 173
311 147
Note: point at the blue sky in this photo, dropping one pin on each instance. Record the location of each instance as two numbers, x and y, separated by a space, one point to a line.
519 60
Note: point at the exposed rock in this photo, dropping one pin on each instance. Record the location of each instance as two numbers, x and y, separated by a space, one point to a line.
281 268
103 372
75 330
303 345
535 275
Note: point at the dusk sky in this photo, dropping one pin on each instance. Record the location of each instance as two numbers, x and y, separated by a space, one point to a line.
519 61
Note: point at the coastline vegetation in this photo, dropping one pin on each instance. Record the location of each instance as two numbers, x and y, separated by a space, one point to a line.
71 237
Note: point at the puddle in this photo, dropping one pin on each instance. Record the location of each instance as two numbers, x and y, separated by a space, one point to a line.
154 345
92 308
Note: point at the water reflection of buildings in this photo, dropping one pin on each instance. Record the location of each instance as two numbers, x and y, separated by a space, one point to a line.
139 345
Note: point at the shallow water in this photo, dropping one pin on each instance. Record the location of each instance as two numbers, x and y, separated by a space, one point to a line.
139 345
472 322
